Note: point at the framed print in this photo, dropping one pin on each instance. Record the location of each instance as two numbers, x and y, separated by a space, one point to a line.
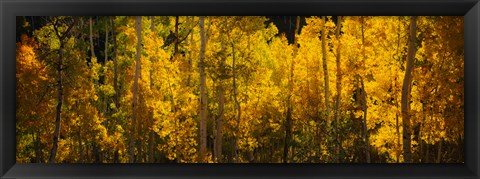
235 89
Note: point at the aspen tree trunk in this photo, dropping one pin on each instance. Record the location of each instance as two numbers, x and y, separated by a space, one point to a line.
58 115
339 91
219 125
398 137
365 131
325 76
151 143
138 25
439 151
176 42
406 91
95 150
98 152
395 91
105 104
106 42
221 104
288 120
203 96
92 50
237 105
190 57
115 64
115 77
325 71
80 145
364 99
420 141
36 138
188 52
140 132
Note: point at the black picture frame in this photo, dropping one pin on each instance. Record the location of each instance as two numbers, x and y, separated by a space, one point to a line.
9 9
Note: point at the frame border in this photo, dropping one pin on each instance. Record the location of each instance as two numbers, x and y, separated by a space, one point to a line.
9 9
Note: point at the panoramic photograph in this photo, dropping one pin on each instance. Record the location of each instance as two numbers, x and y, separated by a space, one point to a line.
239 89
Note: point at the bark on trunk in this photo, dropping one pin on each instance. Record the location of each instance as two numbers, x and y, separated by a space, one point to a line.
115 65
58 115
115 78
203 96
398 137
105 104
221 105
339 91
219 125
325 71
176 42
92 49
36 138
237 105
106 43
138 26
439 151
365 130
325 77
151 143
80 145
288 119
364 97
406 92
190 55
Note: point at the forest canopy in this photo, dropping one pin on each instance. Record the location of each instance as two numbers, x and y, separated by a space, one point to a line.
240 89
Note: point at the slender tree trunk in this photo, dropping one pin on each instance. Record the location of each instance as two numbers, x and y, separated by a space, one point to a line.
398 137
115 65
420 141
87 156
427 154
151 143
176 42
395 91
364 97
219 125
96 152
288 119
325 71
325 76
406 92
105 104
106 42
140 133
203 96
92 49
439 151
36 143
221 104
151 148
288 131
339 91
115 79
58 115
190 56
80 145
365 130
138 25
237 105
